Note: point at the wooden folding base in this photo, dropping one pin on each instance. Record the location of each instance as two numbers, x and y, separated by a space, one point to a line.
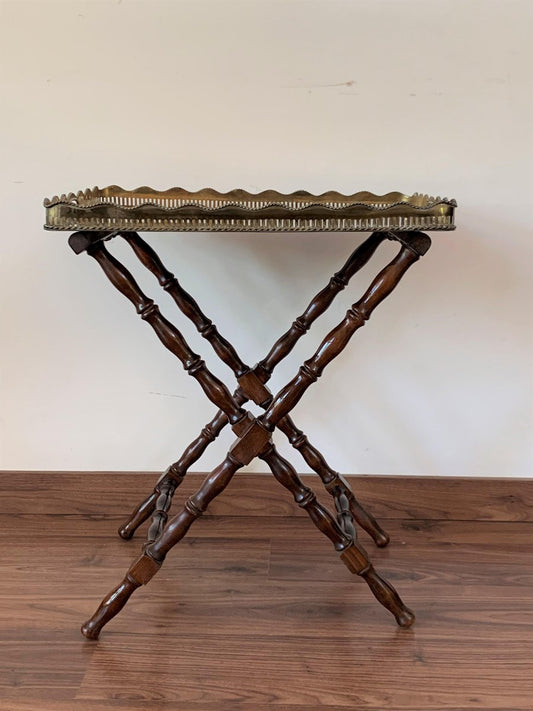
253 434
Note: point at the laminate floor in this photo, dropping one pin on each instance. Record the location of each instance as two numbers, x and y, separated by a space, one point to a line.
257 612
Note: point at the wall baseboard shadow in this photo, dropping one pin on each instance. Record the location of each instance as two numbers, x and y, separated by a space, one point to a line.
114 494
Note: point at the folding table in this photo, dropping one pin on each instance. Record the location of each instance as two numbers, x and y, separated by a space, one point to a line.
98 215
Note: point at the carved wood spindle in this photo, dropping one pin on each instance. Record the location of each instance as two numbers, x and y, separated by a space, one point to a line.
213 485
263 371
385 594
179 468
352 553
167 487
143 512
157 503
249 443
145 567
168 334
248 380
414 245
332 480
344 515
110 606
140 572
322 301
356 560
311 455
186 303
305 497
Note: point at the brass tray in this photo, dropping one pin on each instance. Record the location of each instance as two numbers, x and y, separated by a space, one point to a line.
178 210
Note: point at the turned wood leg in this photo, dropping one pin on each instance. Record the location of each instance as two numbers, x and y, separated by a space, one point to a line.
173 340
143 570
251 383
305 497
167 333
162 506
143 511
333 482
414 245
212 486
353 554
139 574
253 434
177 471
356 560
157 505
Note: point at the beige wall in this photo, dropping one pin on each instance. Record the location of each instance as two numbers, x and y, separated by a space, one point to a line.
431 96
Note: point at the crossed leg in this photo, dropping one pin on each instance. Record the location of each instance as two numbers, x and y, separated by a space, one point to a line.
159 501
145 567
251 434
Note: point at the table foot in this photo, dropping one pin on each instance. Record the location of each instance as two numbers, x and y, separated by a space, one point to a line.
143 511
139 574
367 522
388 597
109 607
352 554
356 560
143 570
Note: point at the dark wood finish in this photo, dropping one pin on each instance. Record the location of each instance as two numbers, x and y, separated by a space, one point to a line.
141 572
321 302
196 505
333 482
165 489
344 515
140 514
81 241
251 382
253 441
253 434
267 603
356 560
213 485
143 569
352 554
305 497
223 348
338 338
167 333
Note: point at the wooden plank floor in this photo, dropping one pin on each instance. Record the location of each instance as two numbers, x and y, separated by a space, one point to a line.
257 612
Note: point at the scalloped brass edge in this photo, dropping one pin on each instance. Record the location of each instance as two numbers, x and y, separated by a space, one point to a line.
114 194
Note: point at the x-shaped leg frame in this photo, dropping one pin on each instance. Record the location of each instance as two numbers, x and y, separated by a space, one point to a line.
253 434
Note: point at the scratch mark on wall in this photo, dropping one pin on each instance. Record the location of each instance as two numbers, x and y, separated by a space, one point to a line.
320 86
183 397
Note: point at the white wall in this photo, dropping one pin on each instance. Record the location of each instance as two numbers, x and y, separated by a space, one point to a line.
431 96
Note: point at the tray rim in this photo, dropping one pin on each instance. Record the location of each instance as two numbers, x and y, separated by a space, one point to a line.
176 209
150 195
